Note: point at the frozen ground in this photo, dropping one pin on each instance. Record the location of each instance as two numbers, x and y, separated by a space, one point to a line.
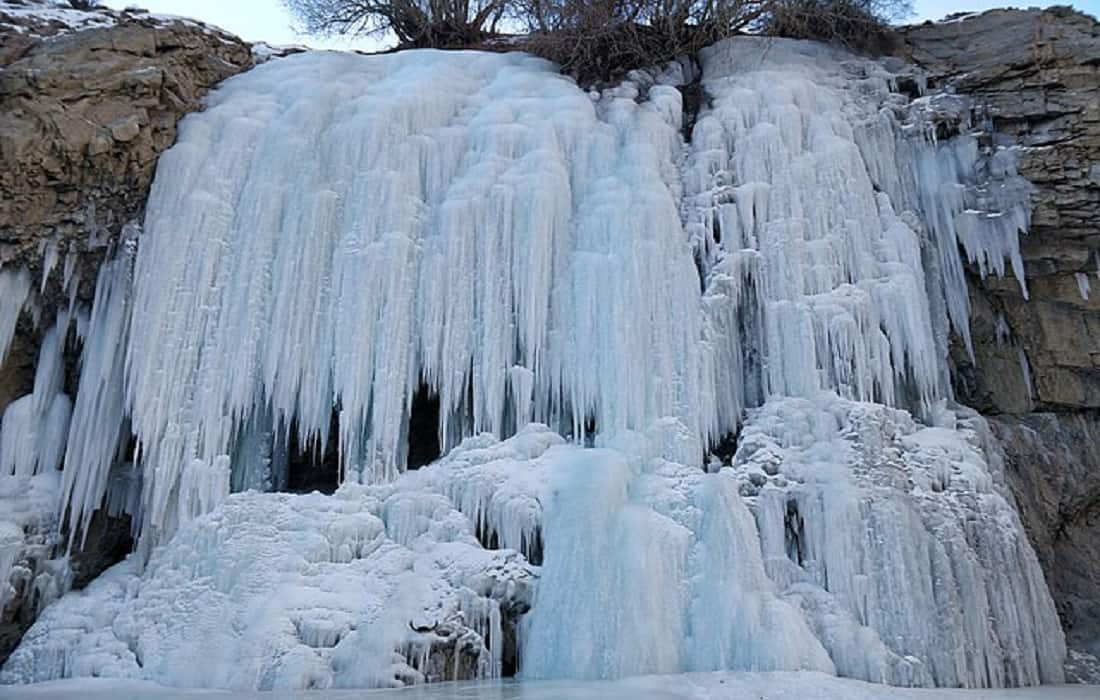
694 686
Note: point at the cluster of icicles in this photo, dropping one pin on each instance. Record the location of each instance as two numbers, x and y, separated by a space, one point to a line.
334 231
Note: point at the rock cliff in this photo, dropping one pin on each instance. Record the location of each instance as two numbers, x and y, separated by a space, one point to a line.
1034 77
87 103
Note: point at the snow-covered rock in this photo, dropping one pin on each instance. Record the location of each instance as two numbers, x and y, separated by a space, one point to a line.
42 18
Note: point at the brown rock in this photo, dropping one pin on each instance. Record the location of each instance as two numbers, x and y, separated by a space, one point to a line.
1035 77
1054 470
84 116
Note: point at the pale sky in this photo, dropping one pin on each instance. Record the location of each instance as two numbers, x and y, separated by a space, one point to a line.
267 20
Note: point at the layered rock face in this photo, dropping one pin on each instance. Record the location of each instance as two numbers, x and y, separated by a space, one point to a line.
88 101
1033 77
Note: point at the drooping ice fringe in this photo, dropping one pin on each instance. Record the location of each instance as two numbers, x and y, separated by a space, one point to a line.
336 229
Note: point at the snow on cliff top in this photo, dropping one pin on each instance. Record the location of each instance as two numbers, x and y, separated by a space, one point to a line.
45 18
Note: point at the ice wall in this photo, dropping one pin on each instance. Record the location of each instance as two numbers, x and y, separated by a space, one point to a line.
336 230
829 223
829 220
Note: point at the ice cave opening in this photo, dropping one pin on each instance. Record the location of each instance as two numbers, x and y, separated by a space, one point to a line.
424 385
423 440
311 466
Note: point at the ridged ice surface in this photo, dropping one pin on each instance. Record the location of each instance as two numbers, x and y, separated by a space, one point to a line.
283 591
595 302
339 229
908 529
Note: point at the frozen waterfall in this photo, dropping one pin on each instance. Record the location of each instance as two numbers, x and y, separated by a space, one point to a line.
595 303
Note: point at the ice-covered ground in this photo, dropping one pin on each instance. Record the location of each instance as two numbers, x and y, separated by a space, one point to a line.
694 686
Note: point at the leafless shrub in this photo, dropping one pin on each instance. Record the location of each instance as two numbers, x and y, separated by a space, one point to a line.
415 23
602 39
857 24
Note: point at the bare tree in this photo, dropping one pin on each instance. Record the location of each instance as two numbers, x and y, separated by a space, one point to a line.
415 23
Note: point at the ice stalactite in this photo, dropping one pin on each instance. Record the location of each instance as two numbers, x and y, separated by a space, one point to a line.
33 429
323 236
824 216
1083 287
96 435
15 285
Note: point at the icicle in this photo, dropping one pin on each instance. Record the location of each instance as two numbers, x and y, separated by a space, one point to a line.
98 420
1025 371
492 231
15 285
1083 285
1001 330
33 429
49 262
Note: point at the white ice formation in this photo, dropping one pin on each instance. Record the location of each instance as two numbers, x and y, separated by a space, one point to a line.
595 303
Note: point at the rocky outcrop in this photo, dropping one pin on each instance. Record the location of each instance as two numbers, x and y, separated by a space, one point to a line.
1034 78
88 101
1052 460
